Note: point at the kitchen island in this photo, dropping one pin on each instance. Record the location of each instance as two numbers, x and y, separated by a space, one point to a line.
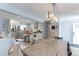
47 47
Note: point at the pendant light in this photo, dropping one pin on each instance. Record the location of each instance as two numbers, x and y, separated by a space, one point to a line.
51 16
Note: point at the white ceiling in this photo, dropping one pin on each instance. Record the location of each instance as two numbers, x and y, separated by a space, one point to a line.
40 10
7 15
67 8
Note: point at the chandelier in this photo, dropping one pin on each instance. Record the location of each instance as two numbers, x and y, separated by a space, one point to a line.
51 16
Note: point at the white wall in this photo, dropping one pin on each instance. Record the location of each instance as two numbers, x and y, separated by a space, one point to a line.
5 45
4 25
1 25
66 27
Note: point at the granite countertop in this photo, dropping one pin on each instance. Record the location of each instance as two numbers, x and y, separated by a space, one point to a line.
48 47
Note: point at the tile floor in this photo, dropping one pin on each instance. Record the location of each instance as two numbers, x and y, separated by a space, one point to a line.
75 51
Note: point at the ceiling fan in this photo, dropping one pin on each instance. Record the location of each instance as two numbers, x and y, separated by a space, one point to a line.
51 16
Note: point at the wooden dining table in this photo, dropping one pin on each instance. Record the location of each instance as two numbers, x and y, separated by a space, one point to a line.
47 47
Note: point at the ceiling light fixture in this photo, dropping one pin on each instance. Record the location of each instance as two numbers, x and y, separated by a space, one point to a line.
51 16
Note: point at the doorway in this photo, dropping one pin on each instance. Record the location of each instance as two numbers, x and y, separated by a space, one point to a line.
76 33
